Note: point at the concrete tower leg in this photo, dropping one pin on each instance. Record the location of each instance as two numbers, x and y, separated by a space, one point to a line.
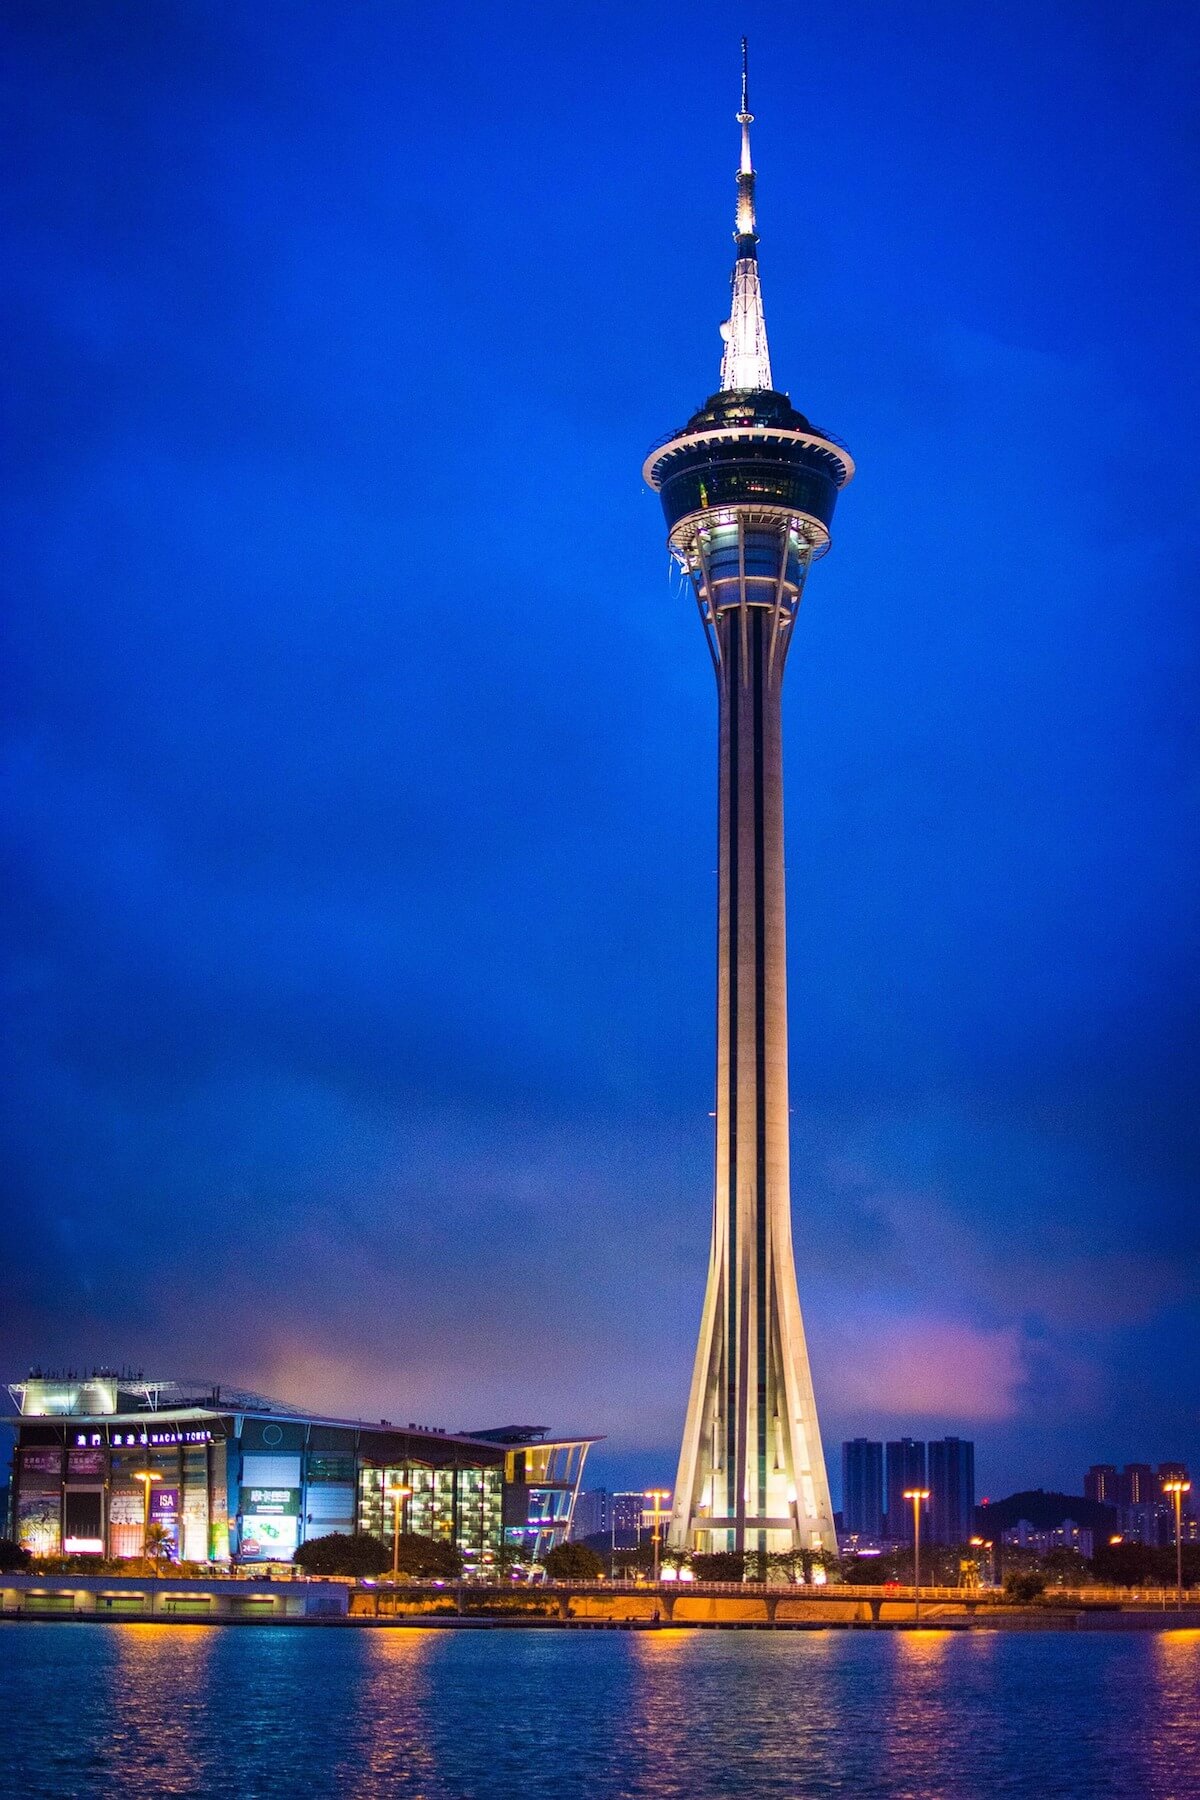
751 1453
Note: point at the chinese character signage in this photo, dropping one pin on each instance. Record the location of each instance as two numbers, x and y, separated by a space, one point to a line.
83 1465
271 1502
40 1468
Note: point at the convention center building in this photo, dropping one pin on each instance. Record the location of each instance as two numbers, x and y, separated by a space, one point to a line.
234 1477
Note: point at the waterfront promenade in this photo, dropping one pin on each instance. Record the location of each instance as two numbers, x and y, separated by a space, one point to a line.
225 1600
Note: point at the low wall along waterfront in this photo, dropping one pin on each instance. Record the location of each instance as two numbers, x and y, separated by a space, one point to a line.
231 1601
127 1597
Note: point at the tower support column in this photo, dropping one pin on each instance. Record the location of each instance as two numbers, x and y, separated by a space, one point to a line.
749 1478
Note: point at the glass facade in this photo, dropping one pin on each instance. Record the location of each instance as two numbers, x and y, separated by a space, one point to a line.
459 1505
252 1487
540 1485
755 552
801 482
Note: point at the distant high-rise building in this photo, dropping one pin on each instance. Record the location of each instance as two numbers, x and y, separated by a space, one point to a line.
905 1469
951 1484
862 1488
1102 1484
1163 1528
1146 1514
1138 1485
626 1516
593 1515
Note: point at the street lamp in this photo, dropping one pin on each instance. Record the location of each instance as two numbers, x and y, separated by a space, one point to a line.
658 1495
397 1496
1177 1489
916 1495
146 1477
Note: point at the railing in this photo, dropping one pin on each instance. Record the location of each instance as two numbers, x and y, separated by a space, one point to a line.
834 1592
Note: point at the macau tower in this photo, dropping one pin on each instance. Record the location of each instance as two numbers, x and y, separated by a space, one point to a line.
748 488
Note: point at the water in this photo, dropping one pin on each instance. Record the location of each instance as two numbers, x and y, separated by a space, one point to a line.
146 1710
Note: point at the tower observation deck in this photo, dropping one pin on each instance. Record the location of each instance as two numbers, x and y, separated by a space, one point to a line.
748 488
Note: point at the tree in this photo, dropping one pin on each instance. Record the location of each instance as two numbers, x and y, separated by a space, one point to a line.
509 1556
427 1558
342 1554
787 1565
12 1558
871 1571
719 1565
1025 1587
572 1562
158 1542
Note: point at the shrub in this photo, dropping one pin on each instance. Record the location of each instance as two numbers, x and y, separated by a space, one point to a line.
12 1558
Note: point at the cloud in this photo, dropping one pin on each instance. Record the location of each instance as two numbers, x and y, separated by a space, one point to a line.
922 1370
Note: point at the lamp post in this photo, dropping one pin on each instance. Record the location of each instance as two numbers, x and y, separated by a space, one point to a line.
397 1496
916 1495
1177 1489
147 1477
658 1495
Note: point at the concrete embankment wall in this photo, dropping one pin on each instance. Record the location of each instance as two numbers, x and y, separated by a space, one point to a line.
127 1597
115 1598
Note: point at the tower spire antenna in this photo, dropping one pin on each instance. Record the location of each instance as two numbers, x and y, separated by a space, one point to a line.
746 363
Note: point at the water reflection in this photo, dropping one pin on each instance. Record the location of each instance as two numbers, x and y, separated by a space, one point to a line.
1172 1748
287 1713
918 1721
762 1703
390 1750
157 1708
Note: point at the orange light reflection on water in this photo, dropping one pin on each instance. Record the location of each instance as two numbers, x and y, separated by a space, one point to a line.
918 1715
398 1643
393 1746
924 1646
665 1638
160 1676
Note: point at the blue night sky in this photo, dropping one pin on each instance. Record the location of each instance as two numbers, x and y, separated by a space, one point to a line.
360 748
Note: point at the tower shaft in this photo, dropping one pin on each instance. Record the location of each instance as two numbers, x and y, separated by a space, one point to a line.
751 1472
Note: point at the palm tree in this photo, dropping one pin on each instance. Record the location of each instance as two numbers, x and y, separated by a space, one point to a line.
158 1543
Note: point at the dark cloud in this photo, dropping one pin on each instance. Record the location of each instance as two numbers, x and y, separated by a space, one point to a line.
359 748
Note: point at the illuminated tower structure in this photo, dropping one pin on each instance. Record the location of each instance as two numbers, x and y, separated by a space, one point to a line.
748 488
